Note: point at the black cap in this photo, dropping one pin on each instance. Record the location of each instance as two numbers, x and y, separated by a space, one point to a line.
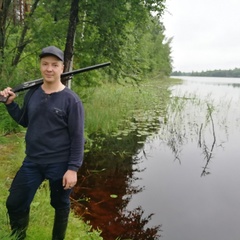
52 50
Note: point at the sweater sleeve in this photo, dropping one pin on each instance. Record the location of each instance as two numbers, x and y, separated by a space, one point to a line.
18 114
76 131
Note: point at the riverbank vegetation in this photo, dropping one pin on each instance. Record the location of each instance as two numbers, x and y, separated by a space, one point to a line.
110 114
125 33
115 110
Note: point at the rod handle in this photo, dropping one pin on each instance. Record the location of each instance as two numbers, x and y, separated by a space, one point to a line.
3 99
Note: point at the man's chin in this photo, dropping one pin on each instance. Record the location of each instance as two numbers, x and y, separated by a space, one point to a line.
49 79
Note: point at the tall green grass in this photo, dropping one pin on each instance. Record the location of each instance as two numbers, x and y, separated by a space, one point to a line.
108 105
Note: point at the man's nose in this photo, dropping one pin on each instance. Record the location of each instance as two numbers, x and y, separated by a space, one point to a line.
49 68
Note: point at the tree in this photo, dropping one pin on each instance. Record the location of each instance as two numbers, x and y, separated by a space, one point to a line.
123 32
110 25
73 21
4 13
69 47
23 41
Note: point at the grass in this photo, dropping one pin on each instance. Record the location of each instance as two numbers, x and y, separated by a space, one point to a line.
112 107
42 214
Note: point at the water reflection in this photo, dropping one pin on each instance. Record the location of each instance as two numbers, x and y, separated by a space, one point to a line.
195 128
199 138
202 115
181 183
105 187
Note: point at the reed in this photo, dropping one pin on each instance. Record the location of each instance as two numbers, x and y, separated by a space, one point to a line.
111 104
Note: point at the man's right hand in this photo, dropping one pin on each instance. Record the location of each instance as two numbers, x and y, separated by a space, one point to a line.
8 94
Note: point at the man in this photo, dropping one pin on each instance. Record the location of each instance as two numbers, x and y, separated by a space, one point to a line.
54 117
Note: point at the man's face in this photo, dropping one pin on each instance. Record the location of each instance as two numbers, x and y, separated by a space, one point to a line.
51 68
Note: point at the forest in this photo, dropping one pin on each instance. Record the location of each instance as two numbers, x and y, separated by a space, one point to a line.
129 34
231 73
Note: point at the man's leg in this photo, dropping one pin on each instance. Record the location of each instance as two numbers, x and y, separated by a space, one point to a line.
60 224
59 200
19 225
22 191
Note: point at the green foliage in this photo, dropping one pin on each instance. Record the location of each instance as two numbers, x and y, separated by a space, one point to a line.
114 34
7 124
124 33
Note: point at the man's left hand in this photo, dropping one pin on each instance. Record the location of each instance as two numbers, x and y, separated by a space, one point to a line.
69 179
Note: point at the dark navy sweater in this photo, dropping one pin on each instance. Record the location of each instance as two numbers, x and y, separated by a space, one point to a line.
55 126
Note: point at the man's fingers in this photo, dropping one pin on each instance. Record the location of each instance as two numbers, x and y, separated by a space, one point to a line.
7 92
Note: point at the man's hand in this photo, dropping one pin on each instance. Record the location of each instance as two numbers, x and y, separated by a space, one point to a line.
8 94
69 179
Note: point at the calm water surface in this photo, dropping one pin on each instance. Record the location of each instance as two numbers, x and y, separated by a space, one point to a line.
191 168
187 174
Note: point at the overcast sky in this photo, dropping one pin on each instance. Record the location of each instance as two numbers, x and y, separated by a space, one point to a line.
206 34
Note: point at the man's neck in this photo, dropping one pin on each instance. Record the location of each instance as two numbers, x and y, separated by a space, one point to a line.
52 87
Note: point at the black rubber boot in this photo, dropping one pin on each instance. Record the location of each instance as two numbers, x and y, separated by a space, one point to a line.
60 224
19 225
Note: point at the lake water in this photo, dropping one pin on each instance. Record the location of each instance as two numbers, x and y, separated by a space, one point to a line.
191 168
184 179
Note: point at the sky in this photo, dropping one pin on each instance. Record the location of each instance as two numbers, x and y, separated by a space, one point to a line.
206 34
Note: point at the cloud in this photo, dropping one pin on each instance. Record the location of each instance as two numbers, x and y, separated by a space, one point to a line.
205 34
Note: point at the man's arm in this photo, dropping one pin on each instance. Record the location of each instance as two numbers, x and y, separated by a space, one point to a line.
76 131
13 109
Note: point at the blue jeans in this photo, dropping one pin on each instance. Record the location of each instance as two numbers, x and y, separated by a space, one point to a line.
27 181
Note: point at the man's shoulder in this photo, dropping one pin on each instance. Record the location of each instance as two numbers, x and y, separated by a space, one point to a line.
71 94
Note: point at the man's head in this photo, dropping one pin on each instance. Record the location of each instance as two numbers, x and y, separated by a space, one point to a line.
51 64
52 51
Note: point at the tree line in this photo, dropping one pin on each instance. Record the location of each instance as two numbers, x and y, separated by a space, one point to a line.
126 33
231 73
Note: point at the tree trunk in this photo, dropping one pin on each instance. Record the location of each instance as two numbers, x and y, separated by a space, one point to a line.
22 42
4 10
69 47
